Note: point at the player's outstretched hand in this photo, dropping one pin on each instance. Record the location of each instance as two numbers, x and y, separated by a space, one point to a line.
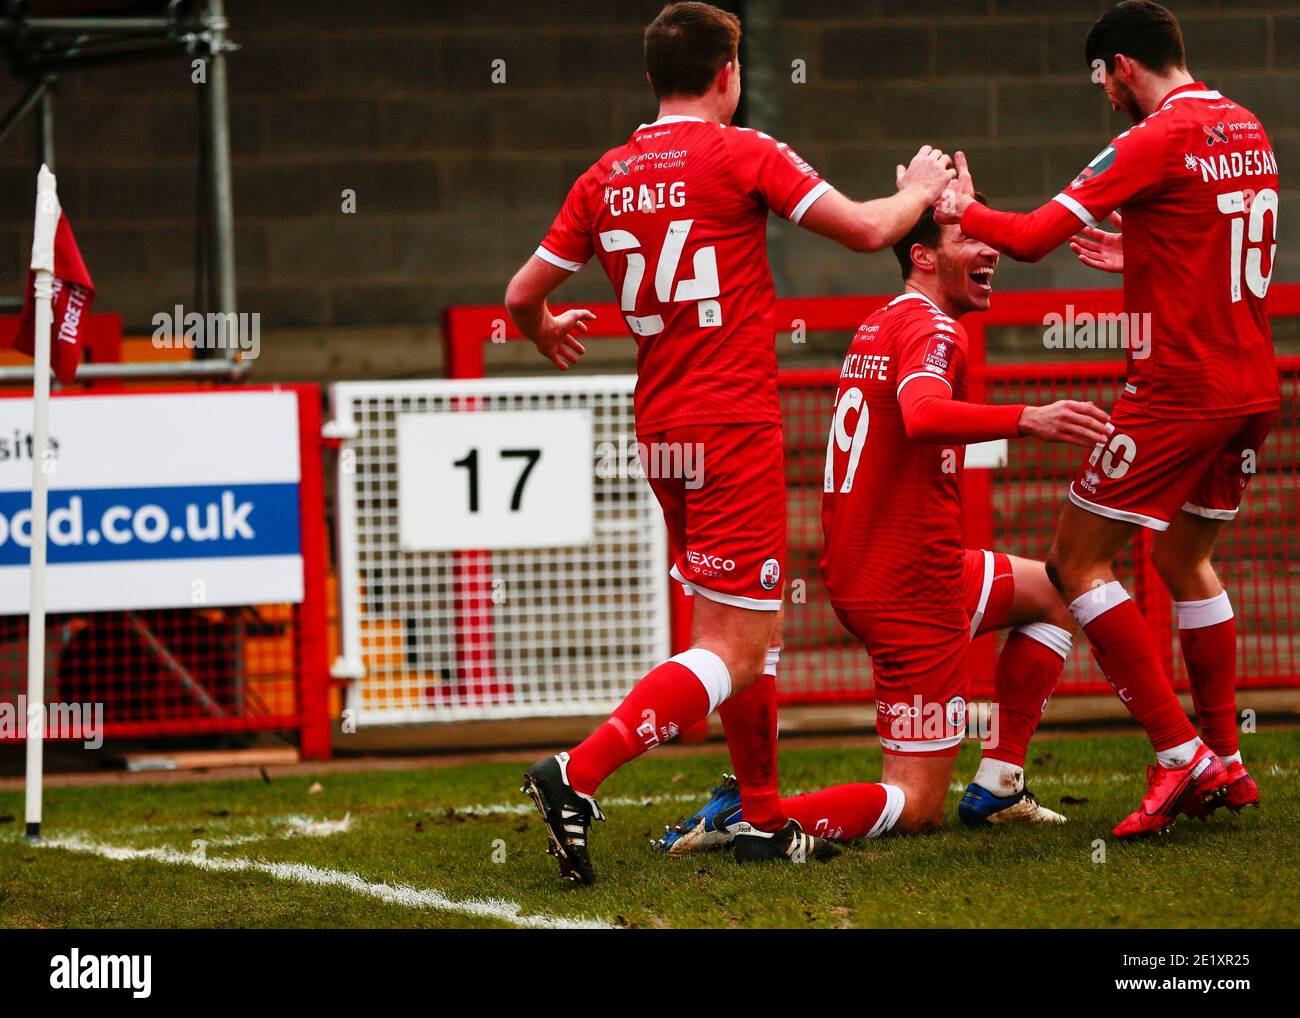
1067 420
929 169
559 341
1099 249
949 209
964 183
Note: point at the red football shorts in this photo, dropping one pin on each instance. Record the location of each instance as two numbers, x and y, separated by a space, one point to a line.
921 687
722 490
1152 467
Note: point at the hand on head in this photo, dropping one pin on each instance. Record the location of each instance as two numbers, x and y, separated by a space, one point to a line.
929 170
958 194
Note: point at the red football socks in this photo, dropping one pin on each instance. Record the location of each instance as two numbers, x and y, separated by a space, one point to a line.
846 811
1207 632
1028 669
749 720
677 694
1123 646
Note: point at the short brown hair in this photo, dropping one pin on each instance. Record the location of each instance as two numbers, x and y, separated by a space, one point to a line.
686 47
926 232
1141 30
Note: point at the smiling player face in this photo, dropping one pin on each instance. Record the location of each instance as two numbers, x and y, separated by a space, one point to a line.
964 268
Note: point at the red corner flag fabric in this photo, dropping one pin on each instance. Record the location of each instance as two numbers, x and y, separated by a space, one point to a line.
73 294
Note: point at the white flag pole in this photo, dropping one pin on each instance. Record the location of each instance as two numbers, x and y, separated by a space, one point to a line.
47 220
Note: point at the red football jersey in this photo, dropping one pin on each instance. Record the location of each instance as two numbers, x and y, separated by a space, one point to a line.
891 507
678 219
1197 185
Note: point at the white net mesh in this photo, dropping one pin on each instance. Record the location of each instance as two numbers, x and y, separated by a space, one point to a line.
458 635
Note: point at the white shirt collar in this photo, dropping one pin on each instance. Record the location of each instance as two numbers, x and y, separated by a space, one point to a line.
672 119
1195 94
913 295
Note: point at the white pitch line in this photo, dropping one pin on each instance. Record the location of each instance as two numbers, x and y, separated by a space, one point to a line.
317 876
292 826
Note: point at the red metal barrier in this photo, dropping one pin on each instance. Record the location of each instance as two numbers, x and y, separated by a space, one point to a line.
1013 509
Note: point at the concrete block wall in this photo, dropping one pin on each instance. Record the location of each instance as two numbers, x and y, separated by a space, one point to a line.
457 176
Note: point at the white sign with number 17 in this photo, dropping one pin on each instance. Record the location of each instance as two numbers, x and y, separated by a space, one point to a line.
489 479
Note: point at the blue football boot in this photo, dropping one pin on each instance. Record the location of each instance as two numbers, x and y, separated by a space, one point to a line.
714 825
981 808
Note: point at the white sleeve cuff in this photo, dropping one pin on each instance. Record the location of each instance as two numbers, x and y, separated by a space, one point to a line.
1076 208
805 203
556 260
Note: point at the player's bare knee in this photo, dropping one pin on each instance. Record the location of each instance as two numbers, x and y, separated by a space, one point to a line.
919 823
1176 565
1055 613
1187 581
1070 574
1166 560
744 660
742 677
922 818
1053 570
922 809
1037 598
755 661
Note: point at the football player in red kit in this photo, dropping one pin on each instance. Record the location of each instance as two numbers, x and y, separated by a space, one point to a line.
677 218
899 576
1196 180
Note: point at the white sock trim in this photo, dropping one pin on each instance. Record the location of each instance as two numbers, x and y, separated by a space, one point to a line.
894 801
1000 777
1202 614
711 670
1180 755
770 662
1098 601
1235 758
1050 636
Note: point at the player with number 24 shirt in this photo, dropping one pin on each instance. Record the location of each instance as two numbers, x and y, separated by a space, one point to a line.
677 217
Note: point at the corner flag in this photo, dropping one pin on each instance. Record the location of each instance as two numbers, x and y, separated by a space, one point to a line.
49 227
73 293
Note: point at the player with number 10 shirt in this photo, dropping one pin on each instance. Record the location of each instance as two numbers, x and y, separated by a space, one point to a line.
1196 181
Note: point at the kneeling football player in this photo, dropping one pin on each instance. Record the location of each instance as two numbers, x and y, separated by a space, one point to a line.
899 576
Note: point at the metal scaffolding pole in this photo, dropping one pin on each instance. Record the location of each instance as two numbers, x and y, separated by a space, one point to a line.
40 49
221 220
45 126
21 108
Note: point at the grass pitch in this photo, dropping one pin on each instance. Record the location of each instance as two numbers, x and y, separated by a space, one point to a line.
459 846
